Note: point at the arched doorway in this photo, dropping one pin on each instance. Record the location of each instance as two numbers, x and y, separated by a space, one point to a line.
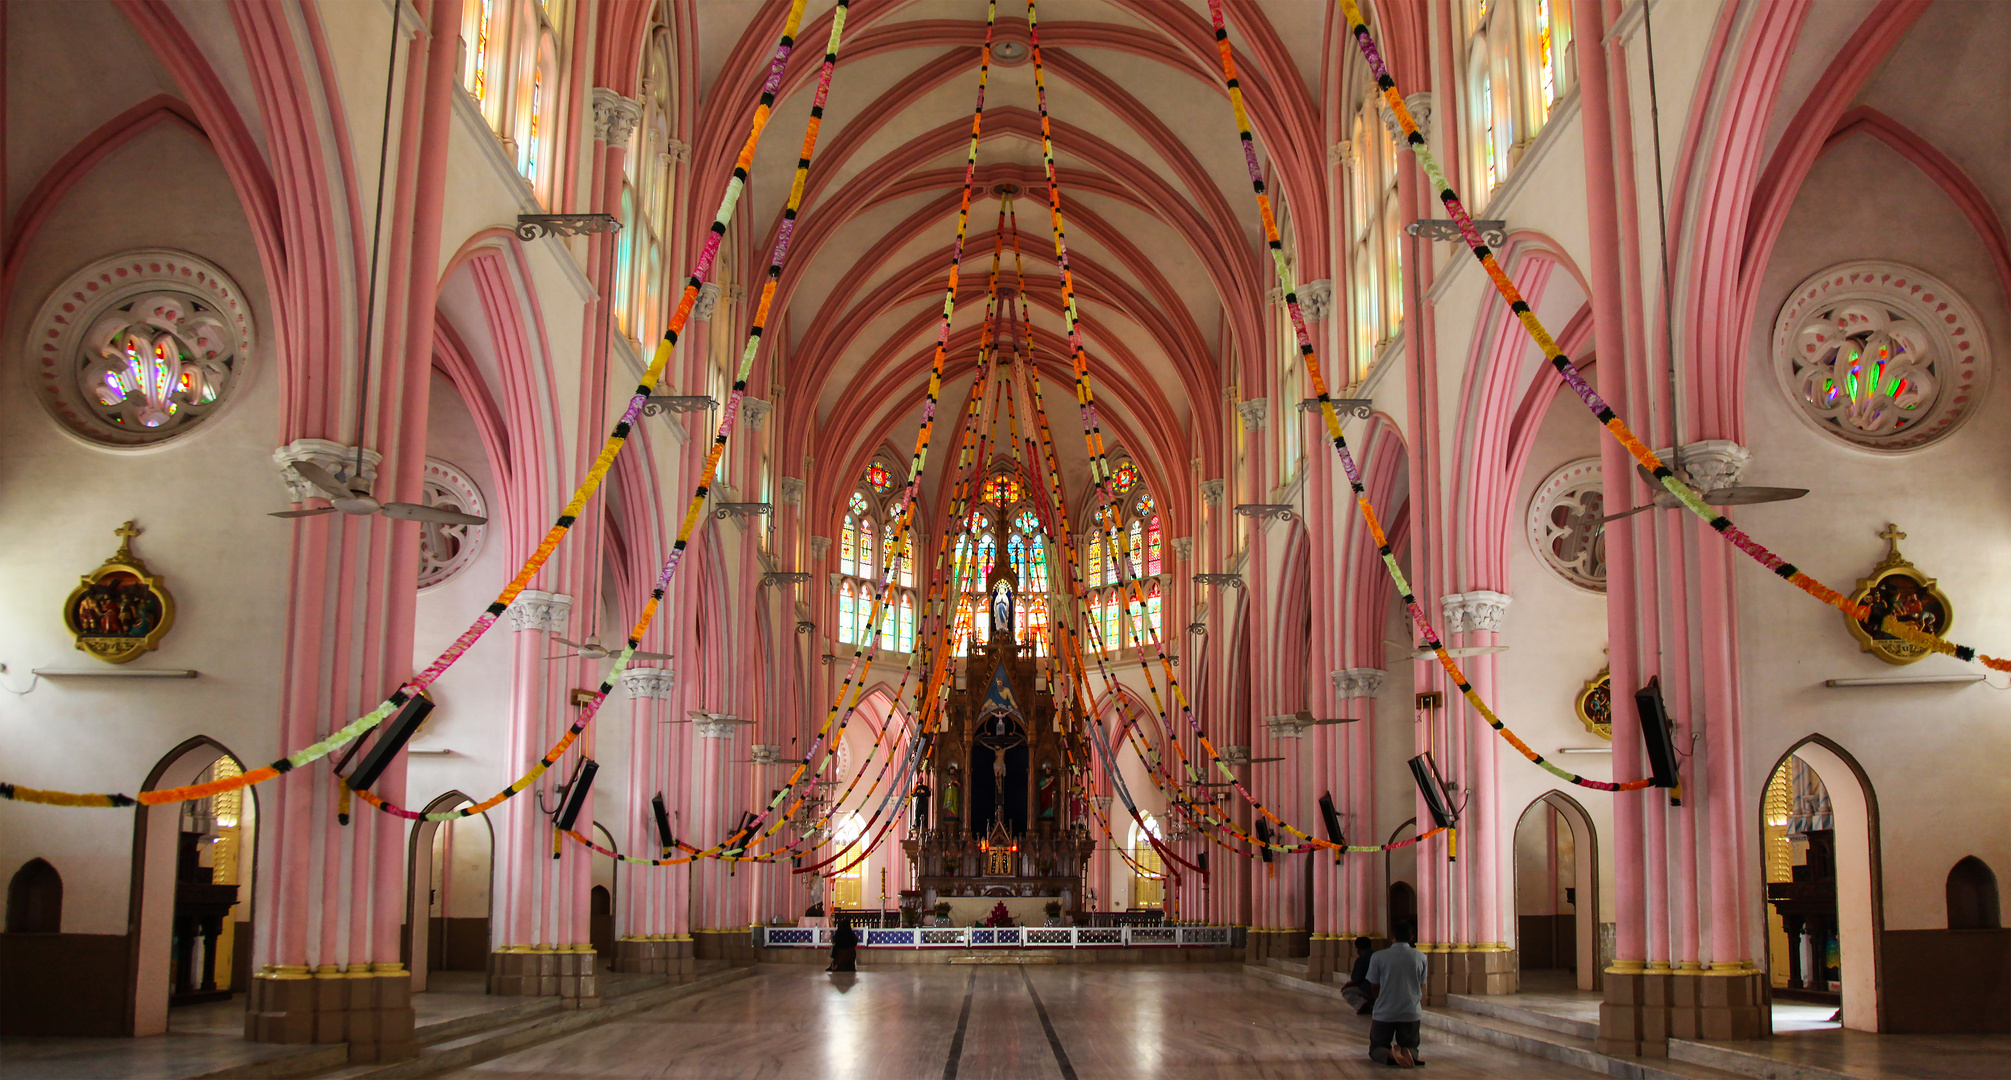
450 864
1819 845
191 915
600 901
1400 872
1556 891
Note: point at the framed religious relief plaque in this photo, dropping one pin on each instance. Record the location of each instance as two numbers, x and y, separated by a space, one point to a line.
1897 589
120 610
1595 705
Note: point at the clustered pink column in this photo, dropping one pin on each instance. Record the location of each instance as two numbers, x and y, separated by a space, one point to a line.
1482 961
647 939
327 942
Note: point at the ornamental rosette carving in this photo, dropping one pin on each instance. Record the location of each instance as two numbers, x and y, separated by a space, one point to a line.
336 458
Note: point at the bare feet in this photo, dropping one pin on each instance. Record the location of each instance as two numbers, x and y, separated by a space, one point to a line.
1401 1057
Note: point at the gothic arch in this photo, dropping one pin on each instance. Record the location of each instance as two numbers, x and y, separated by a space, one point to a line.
1860 877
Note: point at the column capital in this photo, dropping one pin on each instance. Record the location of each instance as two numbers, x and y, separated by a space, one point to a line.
1316 299
791 489
820 546
756 411
708 300
1481 609
1710 464
615 116
1211 492
333 456
1361 682
649 682
535 609
1183 548
677 150
1254 411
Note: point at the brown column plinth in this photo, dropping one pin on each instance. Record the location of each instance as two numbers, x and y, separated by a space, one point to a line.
1320 957
370 1008
648 956
680 961
569 974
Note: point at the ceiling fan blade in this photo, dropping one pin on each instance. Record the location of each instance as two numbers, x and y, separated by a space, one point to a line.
315 512
415 512
563 641
1477 650
1746 496
323 480
561 656
360 505
640 655
1262 760
1626 513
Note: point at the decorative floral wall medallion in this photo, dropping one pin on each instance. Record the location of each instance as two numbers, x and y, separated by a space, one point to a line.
119 610
447 549
1564 524
1880 355
1896 588
138 349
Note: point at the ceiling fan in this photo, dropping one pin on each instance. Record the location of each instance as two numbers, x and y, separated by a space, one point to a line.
354 498
1740 495
592 649
1305 716
1419 652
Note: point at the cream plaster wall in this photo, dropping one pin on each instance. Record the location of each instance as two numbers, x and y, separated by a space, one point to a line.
1935 755
201 502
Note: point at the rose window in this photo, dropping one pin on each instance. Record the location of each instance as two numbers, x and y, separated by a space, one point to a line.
1564 524
139 348
1880 356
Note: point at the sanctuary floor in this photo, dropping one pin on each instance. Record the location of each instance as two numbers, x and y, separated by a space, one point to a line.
997 1022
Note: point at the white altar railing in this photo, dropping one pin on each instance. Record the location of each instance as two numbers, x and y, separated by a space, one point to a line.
999 937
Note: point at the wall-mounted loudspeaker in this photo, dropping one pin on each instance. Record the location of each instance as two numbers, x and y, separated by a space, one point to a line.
1332 818
1658 732
392 735
1432 788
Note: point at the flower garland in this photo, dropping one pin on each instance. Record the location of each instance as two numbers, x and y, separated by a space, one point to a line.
1566 370
616 440
728 421
1307 353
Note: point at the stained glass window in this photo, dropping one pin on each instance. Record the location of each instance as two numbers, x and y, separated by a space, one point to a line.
480 87
1136 553
1026 522
1153 610
848 602
1124 478
965 626
848 545
531 143
1016 551
1003 489
1094 561
878 478
906 641
1155 560
868 568
1035 579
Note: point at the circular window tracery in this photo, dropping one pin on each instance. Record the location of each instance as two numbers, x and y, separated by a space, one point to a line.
1880 355
1564 524
447 549
139 348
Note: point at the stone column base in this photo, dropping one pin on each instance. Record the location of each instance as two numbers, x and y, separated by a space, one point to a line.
1321 954
368 1006
665 954
736 947
567 973
1644 1009
1469 969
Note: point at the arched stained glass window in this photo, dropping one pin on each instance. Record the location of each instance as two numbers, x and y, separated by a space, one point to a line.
478 76
1135 554
1003 489
848 602
869 567
536 132
1035 580
1094 562
966 625
906 639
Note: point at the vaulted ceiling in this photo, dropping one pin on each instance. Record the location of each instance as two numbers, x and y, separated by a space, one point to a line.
1163 235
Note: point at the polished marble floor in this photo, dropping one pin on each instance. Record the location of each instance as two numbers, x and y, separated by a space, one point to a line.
995 1022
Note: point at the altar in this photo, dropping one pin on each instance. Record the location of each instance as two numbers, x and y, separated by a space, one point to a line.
1001 816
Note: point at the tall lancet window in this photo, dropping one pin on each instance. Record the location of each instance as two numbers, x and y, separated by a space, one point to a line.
1125 609
865 544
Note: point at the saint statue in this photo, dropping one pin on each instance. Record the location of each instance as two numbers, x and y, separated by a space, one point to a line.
921 822
1002 609
1048 792
953 796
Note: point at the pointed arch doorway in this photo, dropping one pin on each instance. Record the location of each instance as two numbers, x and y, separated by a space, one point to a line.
1557 889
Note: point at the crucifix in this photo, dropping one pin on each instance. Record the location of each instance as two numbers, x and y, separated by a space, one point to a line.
1891 535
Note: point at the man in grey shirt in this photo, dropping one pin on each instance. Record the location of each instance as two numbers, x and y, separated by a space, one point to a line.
1396 974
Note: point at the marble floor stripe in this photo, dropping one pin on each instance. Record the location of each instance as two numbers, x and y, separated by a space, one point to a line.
1187 1021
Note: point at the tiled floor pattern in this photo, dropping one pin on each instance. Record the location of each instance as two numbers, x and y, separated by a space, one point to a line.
889 1023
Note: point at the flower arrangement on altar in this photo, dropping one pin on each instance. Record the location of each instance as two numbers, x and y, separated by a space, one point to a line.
999 916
